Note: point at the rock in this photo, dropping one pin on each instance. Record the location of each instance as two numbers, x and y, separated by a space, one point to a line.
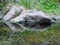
13 12
31 13
28 18
19 9
10 13
34 19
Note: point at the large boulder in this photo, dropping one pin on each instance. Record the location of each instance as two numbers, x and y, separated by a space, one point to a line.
34 19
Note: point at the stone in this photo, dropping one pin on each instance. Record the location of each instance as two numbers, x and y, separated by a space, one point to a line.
34 19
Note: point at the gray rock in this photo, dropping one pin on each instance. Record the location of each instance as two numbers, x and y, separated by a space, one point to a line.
34 19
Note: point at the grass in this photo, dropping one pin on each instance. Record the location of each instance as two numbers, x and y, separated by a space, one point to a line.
44 5
32 37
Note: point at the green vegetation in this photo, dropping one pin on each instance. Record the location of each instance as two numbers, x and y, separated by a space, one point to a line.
44 5
1 5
